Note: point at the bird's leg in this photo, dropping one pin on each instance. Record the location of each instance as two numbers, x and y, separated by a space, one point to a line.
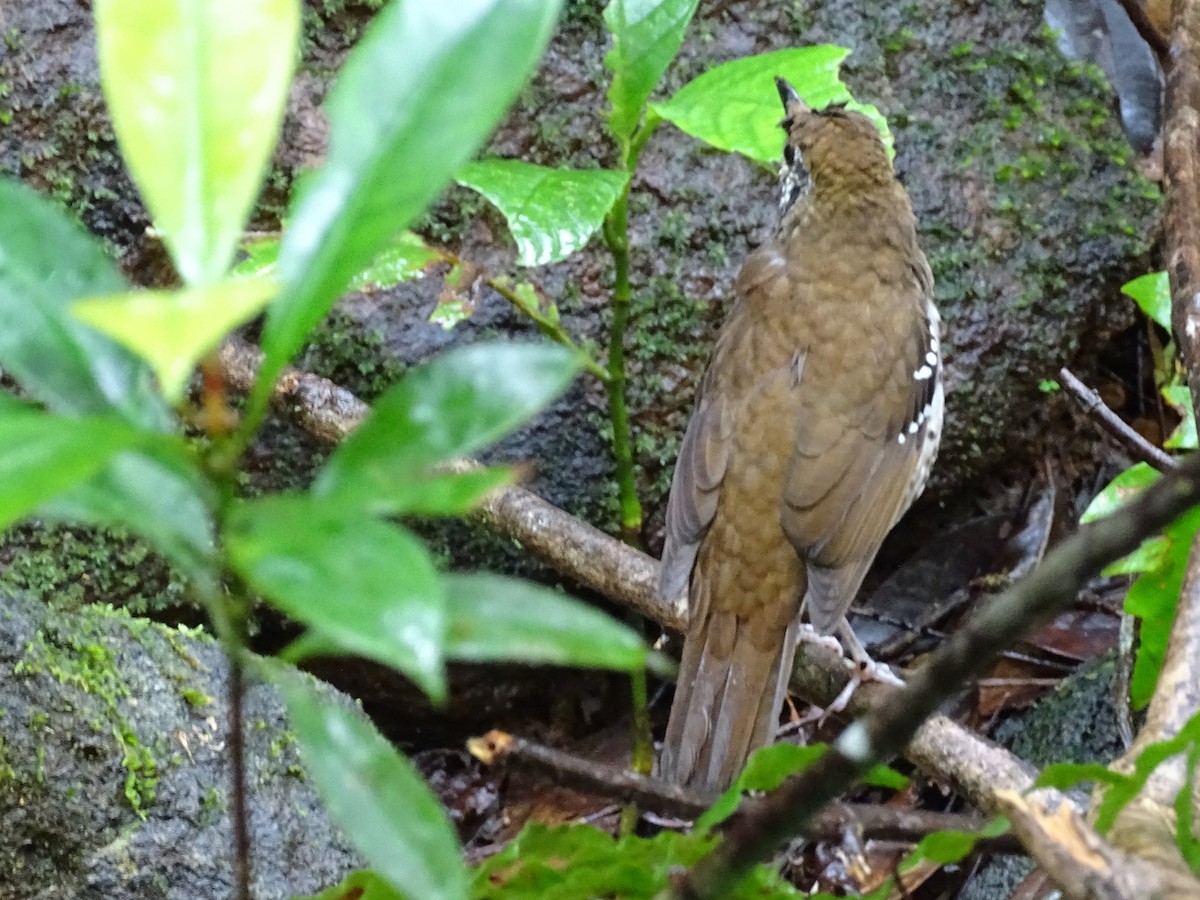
868 669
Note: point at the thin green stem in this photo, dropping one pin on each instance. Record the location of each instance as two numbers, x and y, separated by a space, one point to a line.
616 235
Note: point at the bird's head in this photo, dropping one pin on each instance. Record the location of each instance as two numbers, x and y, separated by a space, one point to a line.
833 152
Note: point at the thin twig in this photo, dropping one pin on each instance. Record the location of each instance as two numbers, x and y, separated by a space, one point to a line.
1138 447
889 726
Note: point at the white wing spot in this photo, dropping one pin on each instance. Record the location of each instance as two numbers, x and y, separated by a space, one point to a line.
901 438
922 373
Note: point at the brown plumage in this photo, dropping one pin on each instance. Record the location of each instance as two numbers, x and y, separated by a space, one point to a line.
815 427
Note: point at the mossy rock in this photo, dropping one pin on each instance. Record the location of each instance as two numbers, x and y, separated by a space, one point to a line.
114 767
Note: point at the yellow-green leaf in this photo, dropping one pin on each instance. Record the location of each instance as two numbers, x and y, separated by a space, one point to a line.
196 90
172 330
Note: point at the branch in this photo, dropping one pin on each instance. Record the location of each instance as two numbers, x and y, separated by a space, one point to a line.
889 726
1181 180
871 820
946 751
571 546
1140 448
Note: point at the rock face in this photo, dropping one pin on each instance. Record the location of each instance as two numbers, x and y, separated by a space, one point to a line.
1030 213
114 775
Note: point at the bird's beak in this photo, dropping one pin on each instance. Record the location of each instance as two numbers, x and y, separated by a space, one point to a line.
789 97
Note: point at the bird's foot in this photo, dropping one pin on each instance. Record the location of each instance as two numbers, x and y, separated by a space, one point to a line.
866 668
810 635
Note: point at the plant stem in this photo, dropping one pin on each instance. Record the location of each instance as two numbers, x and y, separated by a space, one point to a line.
616 235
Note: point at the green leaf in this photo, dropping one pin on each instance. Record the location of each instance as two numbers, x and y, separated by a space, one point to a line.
493 618
551 213
374 794
403 258
47 262
161 496
646 36
764 771
1125 487
364 584
196 91
1065 776
362 885
419 94
1152 294
1184 436
459 402
1153 599
579 862
735 106
949 847
1118 492
42 455
885 777
173 330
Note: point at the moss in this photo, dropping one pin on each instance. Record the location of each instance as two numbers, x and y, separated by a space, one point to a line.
196 698
82 661
76 565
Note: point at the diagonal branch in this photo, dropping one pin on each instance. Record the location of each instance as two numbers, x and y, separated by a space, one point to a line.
885 731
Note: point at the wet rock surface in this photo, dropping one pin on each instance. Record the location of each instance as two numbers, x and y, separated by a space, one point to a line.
114 772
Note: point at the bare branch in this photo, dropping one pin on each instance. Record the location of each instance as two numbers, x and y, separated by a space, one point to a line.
1138 447
889 726
1181 179
872 821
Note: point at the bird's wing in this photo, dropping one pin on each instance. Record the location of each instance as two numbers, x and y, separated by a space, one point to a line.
850 477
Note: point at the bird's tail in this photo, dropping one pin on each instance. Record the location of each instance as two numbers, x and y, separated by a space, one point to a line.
732 681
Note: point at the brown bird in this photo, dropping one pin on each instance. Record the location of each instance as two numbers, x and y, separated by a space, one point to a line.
816 424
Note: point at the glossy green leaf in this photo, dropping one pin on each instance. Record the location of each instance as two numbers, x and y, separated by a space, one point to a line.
420 93
551 213
1152 293
374 794
362 885
403 258
364 584
949 847
1184 436
47 261
735 106
451 406
1118 492
196 91
764 771
493 618
1153 599
42 455
159 495
646 36
173 330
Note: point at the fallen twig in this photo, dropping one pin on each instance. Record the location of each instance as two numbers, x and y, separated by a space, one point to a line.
870 820
1138 447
